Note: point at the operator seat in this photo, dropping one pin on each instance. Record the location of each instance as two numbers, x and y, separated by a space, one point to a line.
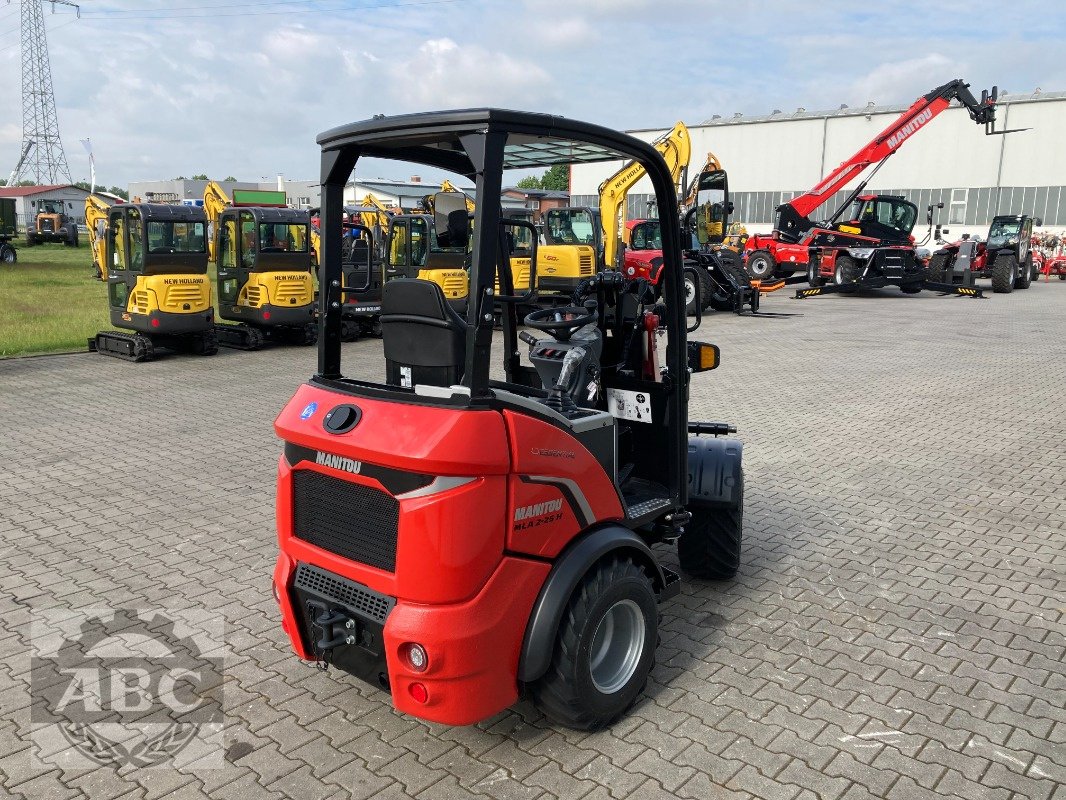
423 337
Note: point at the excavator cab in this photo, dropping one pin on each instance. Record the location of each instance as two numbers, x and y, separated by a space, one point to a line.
157 283
264 276
572 251
414 250
713 207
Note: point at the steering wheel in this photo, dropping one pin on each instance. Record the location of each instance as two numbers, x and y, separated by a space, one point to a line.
561 323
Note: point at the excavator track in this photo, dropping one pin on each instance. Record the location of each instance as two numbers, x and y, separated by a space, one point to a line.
128 346
240 337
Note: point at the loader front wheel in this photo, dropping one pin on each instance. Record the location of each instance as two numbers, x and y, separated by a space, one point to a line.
604 648
710 546
1004 273
761 265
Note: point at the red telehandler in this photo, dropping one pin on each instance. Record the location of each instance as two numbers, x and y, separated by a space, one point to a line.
868 238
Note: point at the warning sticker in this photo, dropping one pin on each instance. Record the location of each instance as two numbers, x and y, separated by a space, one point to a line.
634 406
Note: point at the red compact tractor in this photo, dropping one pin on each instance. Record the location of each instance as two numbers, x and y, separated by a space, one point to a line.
868 239
462 536
1005 256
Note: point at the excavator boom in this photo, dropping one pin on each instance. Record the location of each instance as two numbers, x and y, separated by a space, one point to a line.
96 209
215 202
675 146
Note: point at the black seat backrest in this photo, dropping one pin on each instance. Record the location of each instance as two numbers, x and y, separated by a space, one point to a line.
423 337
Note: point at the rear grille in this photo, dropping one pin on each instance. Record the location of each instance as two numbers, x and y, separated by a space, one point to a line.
351 520
47 226
177 296
455 286
255 296
354 595
140 302
290 293
585 263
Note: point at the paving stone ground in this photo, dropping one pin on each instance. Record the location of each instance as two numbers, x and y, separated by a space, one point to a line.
896 630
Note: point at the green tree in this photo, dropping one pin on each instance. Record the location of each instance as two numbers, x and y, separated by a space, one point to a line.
120 192
556 179
200 177
27 183
230 179
181 178
529 182
83 185
3 181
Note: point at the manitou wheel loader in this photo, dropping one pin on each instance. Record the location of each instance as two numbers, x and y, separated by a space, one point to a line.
868 239
461 533
157 285
1005 256
263 260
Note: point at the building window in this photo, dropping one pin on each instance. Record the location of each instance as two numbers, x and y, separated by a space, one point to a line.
957 215
533 204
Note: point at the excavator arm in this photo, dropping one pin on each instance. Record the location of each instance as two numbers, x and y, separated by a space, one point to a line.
712 164
96 209
675 146
215 202
796 213
447 186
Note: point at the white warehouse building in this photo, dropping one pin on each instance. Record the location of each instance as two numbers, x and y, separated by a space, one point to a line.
770 159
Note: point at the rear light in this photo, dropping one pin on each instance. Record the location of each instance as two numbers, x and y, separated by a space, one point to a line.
418 692
155 323
266 315
414 655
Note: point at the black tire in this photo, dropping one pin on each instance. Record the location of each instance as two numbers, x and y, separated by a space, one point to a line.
690 292
309 334
1025 274
846 271
8 254
710 546
1004 273
1062 276
813 278
574 693
29 240
761 265
936 271
730 258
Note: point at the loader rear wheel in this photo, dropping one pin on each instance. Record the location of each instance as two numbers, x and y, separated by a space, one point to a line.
937 269
813 278
1025 274
710 546
691 276
1004 273
846 273
8 254
1062 276
604 648
761 265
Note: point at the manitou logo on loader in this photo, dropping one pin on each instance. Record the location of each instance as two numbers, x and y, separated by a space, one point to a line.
537 509
896 139
338 462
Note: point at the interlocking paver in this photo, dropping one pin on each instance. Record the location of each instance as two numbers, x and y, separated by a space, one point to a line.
895 632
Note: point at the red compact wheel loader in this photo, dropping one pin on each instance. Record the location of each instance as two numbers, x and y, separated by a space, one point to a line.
462 535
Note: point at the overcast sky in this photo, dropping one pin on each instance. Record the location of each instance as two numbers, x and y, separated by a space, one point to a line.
178 87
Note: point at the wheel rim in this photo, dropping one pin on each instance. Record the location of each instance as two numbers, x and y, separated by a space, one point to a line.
838 275
759 267
690 291
617 646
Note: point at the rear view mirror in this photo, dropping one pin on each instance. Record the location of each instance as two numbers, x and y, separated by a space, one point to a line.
1038 221
945 230
703 357
450 219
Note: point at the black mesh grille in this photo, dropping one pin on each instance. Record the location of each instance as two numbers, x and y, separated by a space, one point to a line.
346 518
353 595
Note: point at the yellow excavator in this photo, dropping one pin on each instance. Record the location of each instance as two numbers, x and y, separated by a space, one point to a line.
157 284
675 146
263 255
413 250
96 209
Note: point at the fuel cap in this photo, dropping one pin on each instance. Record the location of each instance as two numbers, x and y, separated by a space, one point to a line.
342 419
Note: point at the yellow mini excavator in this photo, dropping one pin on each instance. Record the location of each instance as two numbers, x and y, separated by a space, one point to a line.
414 250
157 284
96 209
263 253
